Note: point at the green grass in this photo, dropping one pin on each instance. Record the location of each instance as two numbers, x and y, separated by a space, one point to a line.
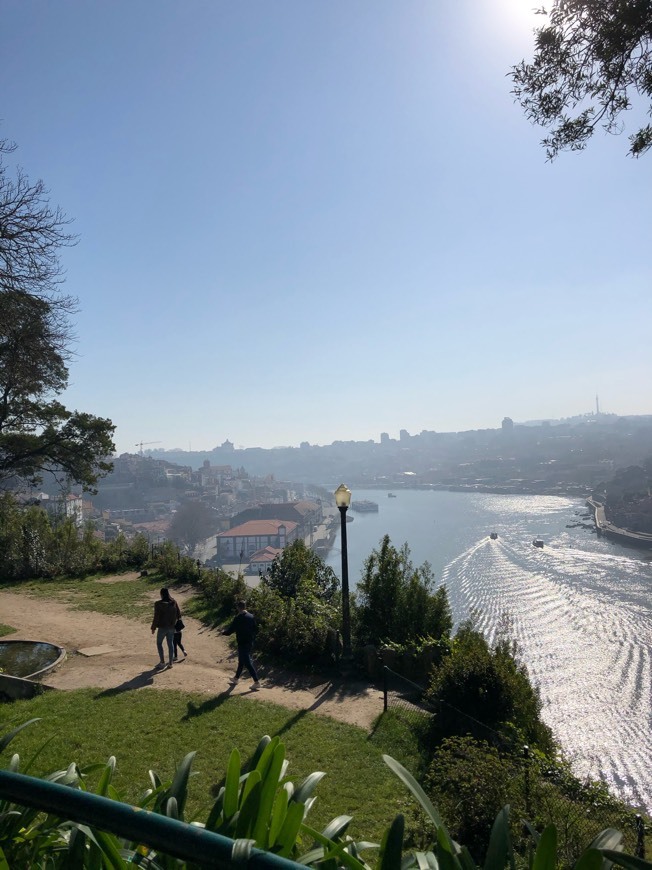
131 598
155 729
6 629
400 734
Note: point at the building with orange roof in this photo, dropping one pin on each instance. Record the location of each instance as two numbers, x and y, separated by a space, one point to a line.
260 562
244 540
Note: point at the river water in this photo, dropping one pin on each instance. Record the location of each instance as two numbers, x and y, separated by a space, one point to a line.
579 609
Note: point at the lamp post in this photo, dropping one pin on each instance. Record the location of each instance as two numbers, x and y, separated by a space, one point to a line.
343 500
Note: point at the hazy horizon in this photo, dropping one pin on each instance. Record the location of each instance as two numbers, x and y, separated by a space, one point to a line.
193 448
324 218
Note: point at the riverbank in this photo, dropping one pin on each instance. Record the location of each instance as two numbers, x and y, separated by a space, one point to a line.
609 530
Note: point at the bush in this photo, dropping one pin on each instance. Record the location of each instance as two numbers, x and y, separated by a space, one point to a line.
220 592
397 602
298 628
486 692
296 563
470 783
32 544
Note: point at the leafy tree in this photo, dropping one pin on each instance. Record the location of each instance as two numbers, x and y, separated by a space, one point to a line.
592 62
192 523
37 433
296 563
397 602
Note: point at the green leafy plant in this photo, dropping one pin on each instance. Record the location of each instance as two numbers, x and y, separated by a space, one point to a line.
258 808
604 850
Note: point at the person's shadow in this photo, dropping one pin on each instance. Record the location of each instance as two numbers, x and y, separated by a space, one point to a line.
209 705
137 682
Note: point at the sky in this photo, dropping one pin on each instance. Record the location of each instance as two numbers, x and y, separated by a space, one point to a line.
318 221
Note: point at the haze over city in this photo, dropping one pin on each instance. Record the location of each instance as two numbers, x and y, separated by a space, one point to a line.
324 221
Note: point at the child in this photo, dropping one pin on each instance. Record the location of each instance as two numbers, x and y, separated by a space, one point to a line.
178 628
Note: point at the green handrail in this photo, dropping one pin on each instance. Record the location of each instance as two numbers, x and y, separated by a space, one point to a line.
170 836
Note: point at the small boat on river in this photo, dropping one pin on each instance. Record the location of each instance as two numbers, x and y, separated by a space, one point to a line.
494 536
390 495
537 542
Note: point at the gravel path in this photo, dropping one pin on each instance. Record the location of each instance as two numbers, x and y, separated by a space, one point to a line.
129 665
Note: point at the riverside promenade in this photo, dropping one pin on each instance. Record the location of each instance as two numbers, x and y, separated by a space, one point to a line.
623 536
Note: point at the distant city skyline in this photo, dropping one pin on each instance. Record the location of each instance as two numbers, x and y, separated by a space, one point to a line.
394 436
319 222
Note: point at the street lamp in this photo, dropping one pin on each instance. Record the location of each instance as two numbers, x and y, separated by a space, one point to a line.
343 500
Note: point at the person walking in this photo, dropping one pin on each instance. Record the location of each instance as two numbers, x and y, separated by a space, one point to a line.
244 626
166 613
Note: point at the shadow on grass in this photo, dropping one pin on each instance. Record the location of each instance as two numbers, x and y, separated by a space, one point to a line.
208 706
329 691
146 678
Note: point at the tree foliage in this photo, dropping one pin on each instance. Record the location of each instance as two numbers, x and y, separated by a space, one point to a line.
300 628
296 563
592 62
297 607
398 602
486 691
37 433
35 544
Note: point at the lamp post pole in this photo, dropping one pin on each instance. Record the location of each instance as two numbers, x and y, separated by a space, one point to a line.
342 500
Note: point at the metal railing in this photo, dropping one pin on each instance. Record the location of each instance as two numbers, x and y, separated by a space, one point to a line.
169 836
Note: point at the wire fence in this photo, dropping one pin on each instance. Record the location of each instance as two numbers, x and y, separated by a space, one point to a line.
534 789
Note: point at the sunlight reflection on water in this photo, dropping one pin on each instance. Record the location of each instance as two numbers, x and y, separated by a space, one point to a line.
579 609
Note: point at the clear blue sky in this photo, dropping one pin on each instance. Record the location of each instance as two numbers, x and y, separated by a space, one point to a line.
323 220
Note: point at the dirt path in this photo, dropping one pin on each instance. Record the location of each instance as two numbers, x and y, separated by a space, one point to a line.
130 663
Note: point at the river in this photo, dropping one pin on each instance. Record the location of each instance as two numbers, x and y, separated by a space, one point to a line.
579 609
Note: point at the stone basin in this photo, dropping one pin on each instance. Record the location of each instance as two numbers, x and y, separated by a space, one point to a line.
29 659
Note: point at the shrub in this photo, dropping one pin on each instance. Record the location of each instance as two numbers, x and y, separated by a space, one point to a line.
486 692
220 591
169 562
470 783
296 563
397 602
298 628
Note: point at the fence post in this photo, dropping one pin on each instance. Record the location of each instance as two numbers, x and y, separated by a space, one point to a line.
385 684
640 836
526 756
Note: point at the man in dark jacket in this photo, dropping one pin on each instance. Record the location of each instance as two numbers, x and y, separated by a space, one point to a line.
244 626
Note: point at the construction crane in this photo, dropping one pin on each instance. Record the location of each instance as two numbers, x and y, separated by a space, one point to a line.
142 443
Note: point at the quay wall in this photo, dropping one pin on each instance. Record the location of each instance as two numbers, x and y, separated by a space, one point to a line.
615 533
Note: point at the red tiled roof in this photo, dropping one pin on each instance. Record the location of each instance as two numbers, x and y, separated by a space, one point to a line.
257 528
267 554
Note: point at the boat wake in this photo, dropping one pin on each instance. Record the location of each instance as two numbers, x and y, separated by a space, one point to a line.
591 660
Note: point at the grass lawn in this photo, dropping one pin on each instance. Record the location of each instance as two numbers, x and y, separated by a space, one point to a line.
154 729
6 629
117 598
